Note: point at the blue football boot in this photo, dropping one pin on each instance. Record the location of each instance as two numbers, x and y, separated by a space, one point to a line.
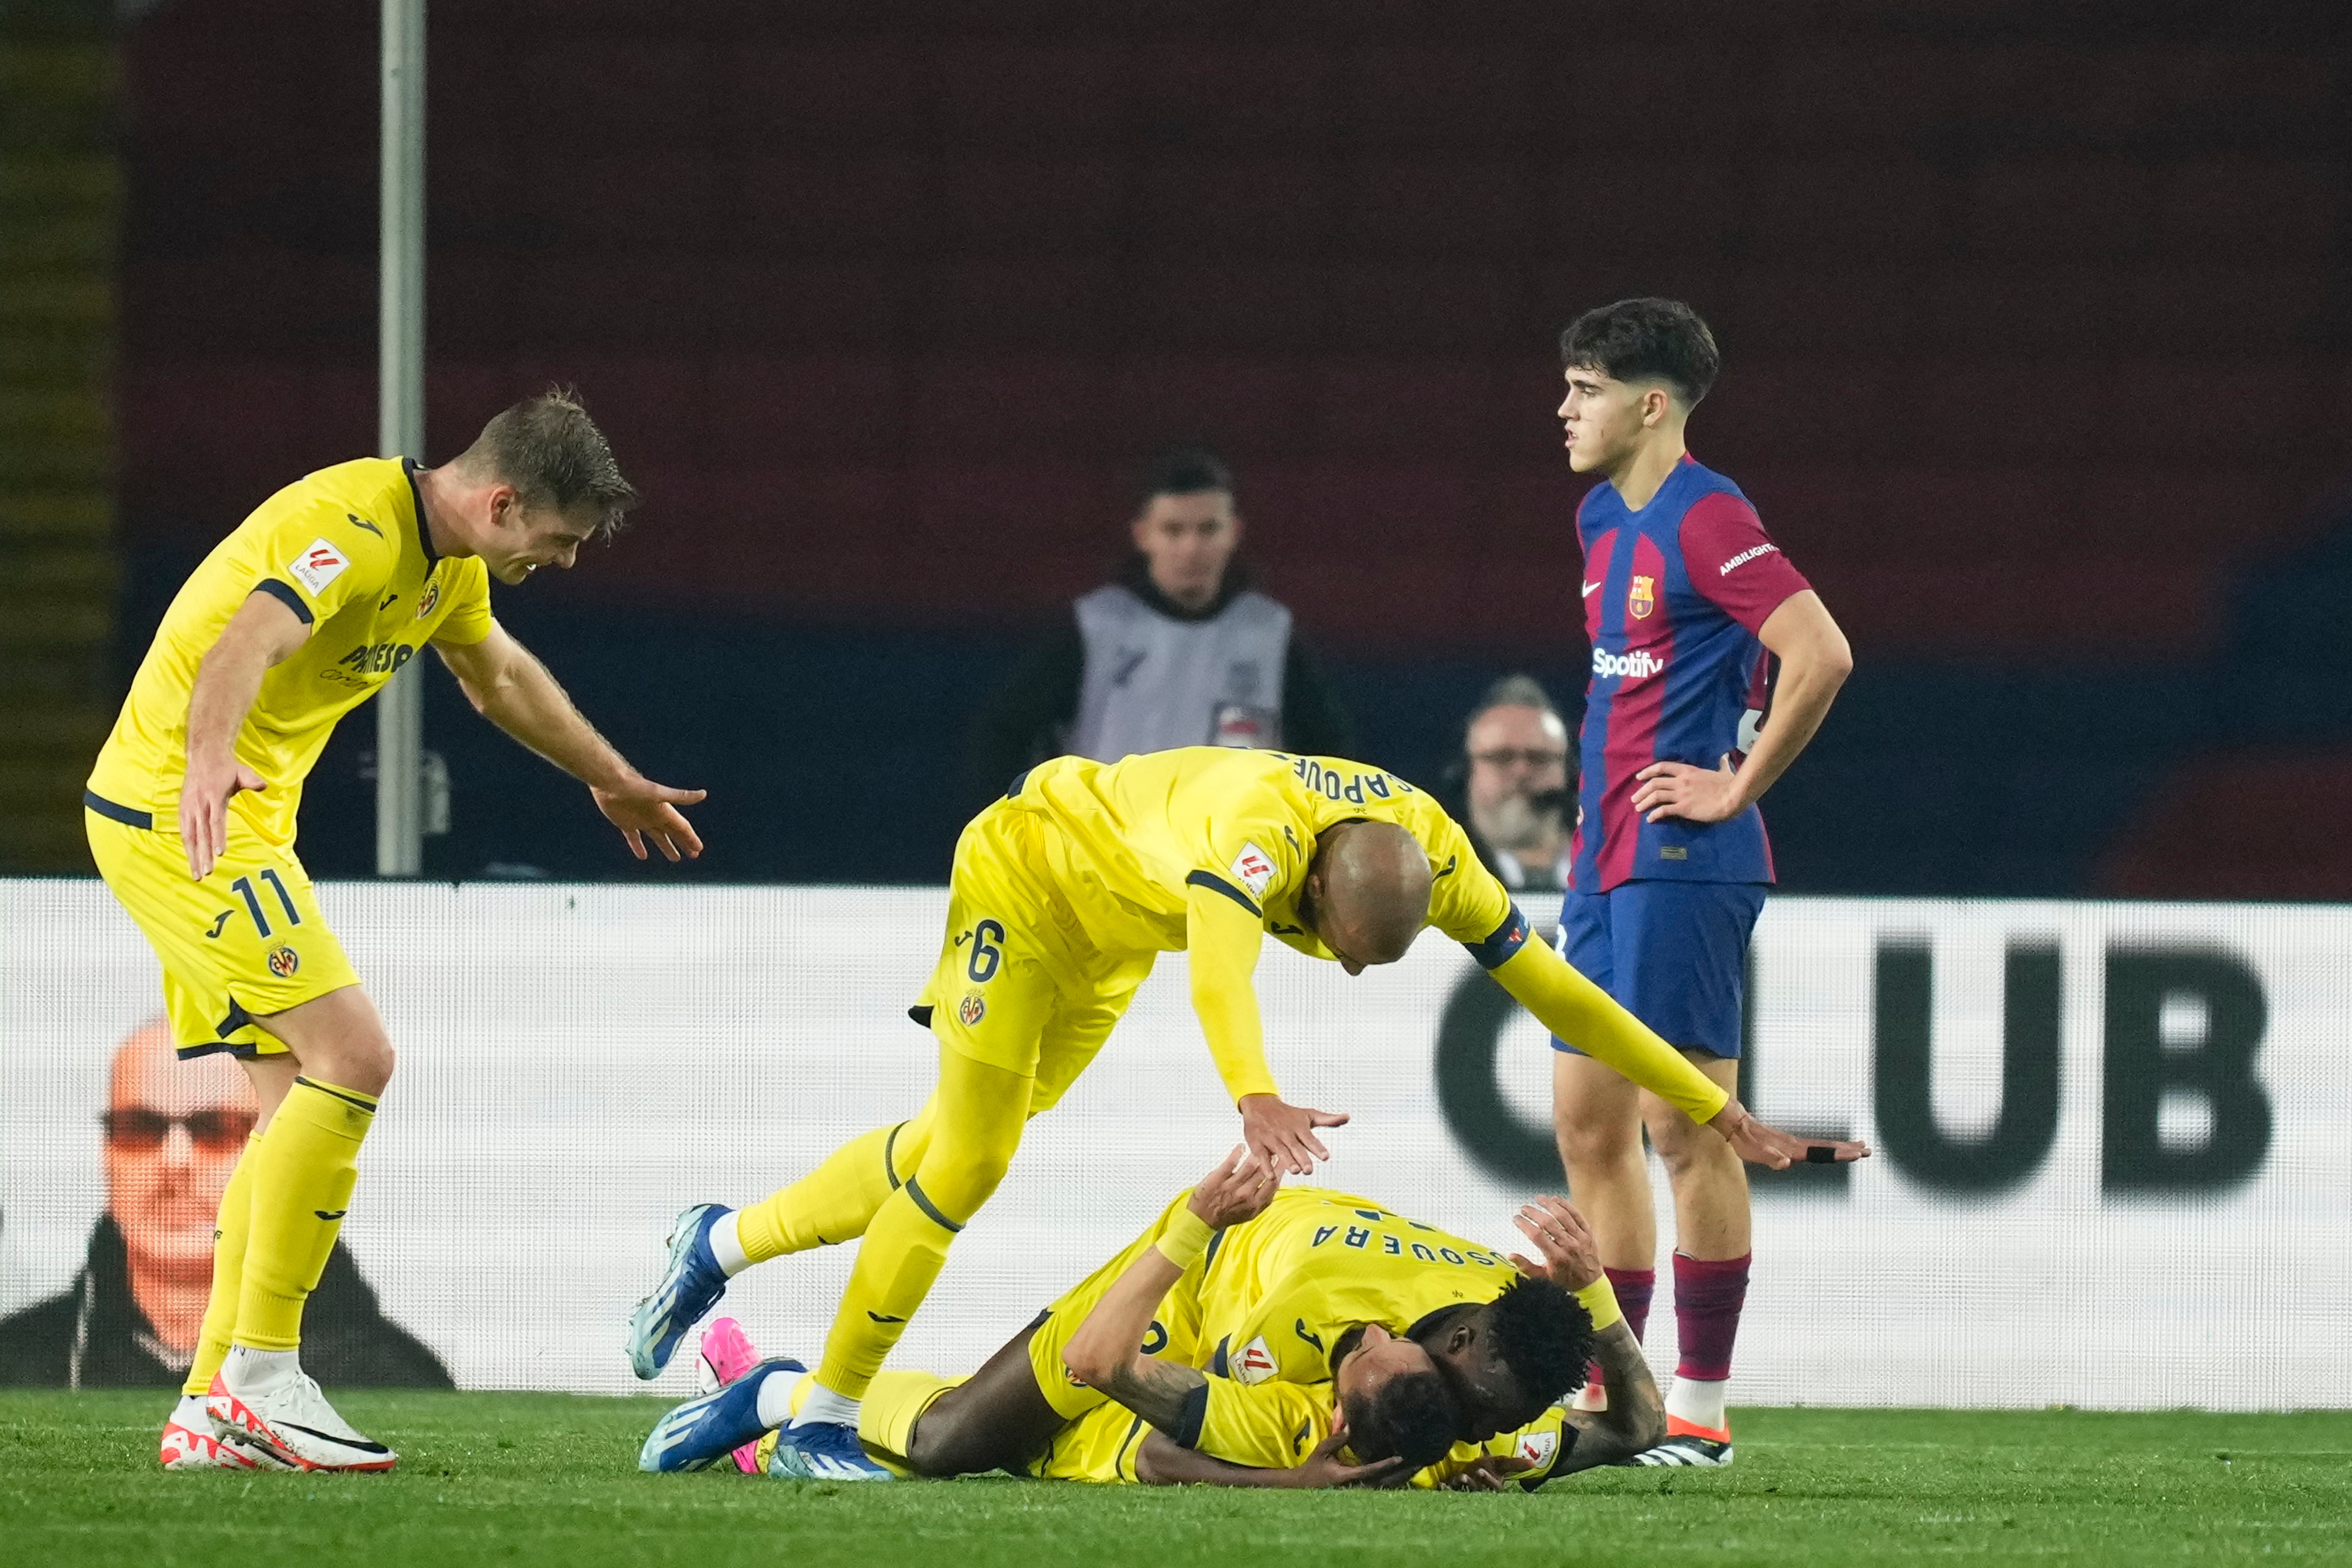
822 1451
700 1433
688 1289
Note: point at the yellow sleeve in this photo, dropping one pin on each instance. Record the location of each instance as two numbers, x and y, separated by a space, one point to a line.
1224 931
469 620
1467 901
1586 1017
316 558
1267 1425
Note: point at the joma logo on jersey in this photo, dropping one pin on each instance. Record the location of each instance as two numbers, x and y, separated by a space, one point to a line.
1636 666
1643 597
375 658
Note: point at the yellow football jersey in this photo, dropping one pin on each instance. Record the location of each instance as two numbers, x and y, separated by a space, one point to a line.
346 550
1138 838
1282 1289
1205 849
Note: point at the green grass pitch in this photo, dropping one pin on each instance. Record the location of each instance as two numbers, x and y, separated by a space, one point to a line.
549 1478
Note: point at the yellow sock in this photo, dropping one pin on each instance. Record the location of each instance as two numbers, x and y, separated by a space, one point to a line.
230 1230
977 1118
903 1253
835 1202
304 1170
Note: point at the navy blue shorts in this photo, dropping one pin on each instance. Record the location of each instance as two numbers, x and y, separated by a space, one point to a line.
1673 955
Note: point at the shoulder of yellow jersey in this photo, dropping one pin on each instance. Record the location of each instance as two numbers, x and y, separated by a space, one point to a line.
332 536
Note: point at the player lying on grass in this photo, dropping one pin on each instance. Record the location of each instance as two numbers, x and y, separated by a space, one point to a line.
1254 1337
1063 895
299 616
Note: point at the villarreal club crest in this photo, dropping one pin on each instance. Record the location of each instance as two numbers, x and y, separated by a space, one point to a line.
283 962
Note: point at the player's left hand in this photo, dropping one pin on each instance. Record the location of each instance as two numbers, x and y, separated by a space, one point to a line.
1677 789
1571 1258
1282 1136
1490 1474
1239 1189
1761 1144
642 808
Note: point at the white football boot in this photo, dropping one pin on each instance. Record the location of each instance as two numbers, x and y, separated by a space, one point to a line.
289 1419
190 1443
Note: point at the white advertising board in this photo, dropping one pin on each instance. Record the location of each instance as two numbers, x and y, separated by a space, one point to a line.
2112 1137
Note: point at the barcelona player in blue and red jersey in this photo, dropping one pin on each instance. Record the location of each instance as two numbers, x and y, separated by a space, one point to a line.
1689 604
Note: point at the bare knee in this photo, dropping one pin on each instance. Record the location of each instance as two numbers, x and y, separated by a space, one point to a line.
1690 1152
1595 1143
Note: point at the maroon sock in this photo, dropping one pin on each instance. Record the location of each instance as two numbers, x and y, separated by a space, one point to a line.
1634 1287
1707 1299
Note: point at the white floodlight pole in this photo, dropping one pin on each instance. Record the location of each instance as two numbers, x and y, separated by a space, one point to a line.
400 410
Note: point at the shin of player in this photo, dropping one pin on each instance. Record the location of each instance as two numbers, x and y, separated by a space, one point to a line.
1687 603
295 618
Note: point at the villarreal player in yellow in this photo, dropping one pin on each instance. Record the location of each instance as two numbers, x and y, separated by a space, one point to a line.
293 620
1398 1352
1063 894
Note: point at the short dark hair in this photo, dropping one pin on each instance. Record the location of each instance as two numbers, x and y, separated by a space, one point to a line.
1644 340
553 454
1542 1336
1182 470
1411 1416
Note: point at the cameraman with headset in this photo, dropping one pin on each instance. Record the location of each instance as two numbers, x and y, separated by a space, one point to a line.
1519 760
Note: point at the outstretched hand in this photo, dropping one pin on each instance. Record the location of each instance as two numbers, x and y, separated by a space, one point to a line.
1282 1136
1761 1144
643 809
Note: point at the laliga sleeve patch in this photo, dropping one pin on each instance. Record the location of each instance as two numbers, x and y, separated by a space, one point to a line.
1255 1362
1539 1449
1253 869
318 565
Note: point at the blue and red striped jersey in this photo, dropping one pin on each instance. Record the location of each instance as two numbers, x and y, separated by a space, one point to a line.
1674 597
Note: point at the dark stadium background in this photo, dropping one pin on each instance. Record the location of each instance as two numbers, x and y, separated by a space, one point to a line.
2035 318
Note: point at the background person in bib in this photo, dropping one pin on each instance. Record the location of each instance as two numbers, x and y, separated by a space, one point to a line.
1179 651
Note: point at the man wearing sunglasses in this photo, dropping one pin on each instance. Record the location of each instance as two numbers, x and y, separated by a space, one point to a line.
172 1133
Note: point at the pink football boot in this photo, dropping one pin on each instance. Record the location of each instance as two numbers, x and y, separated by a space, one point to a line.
727 1355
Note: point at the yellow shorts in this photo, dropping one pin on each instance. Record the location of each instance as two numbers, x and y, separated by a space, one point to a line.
1174 1335
1099 1446
248 940
1018 985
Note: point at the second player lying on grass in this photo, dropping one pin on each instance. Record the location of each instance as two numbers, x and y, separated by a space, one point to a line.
1252 1336
1063 895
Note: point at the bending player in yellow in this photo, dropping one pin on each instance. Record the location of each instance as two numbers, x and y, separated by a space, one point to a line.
1063 895
293 620
1402 1352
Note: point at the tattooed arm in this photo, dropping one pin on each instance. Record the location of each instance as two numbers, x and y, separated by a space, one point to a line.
1104 1353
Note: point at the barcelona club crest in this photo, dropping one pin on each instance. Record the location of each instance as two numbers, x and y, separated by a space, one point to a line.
972 1009
430 597
284 961
1642 598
